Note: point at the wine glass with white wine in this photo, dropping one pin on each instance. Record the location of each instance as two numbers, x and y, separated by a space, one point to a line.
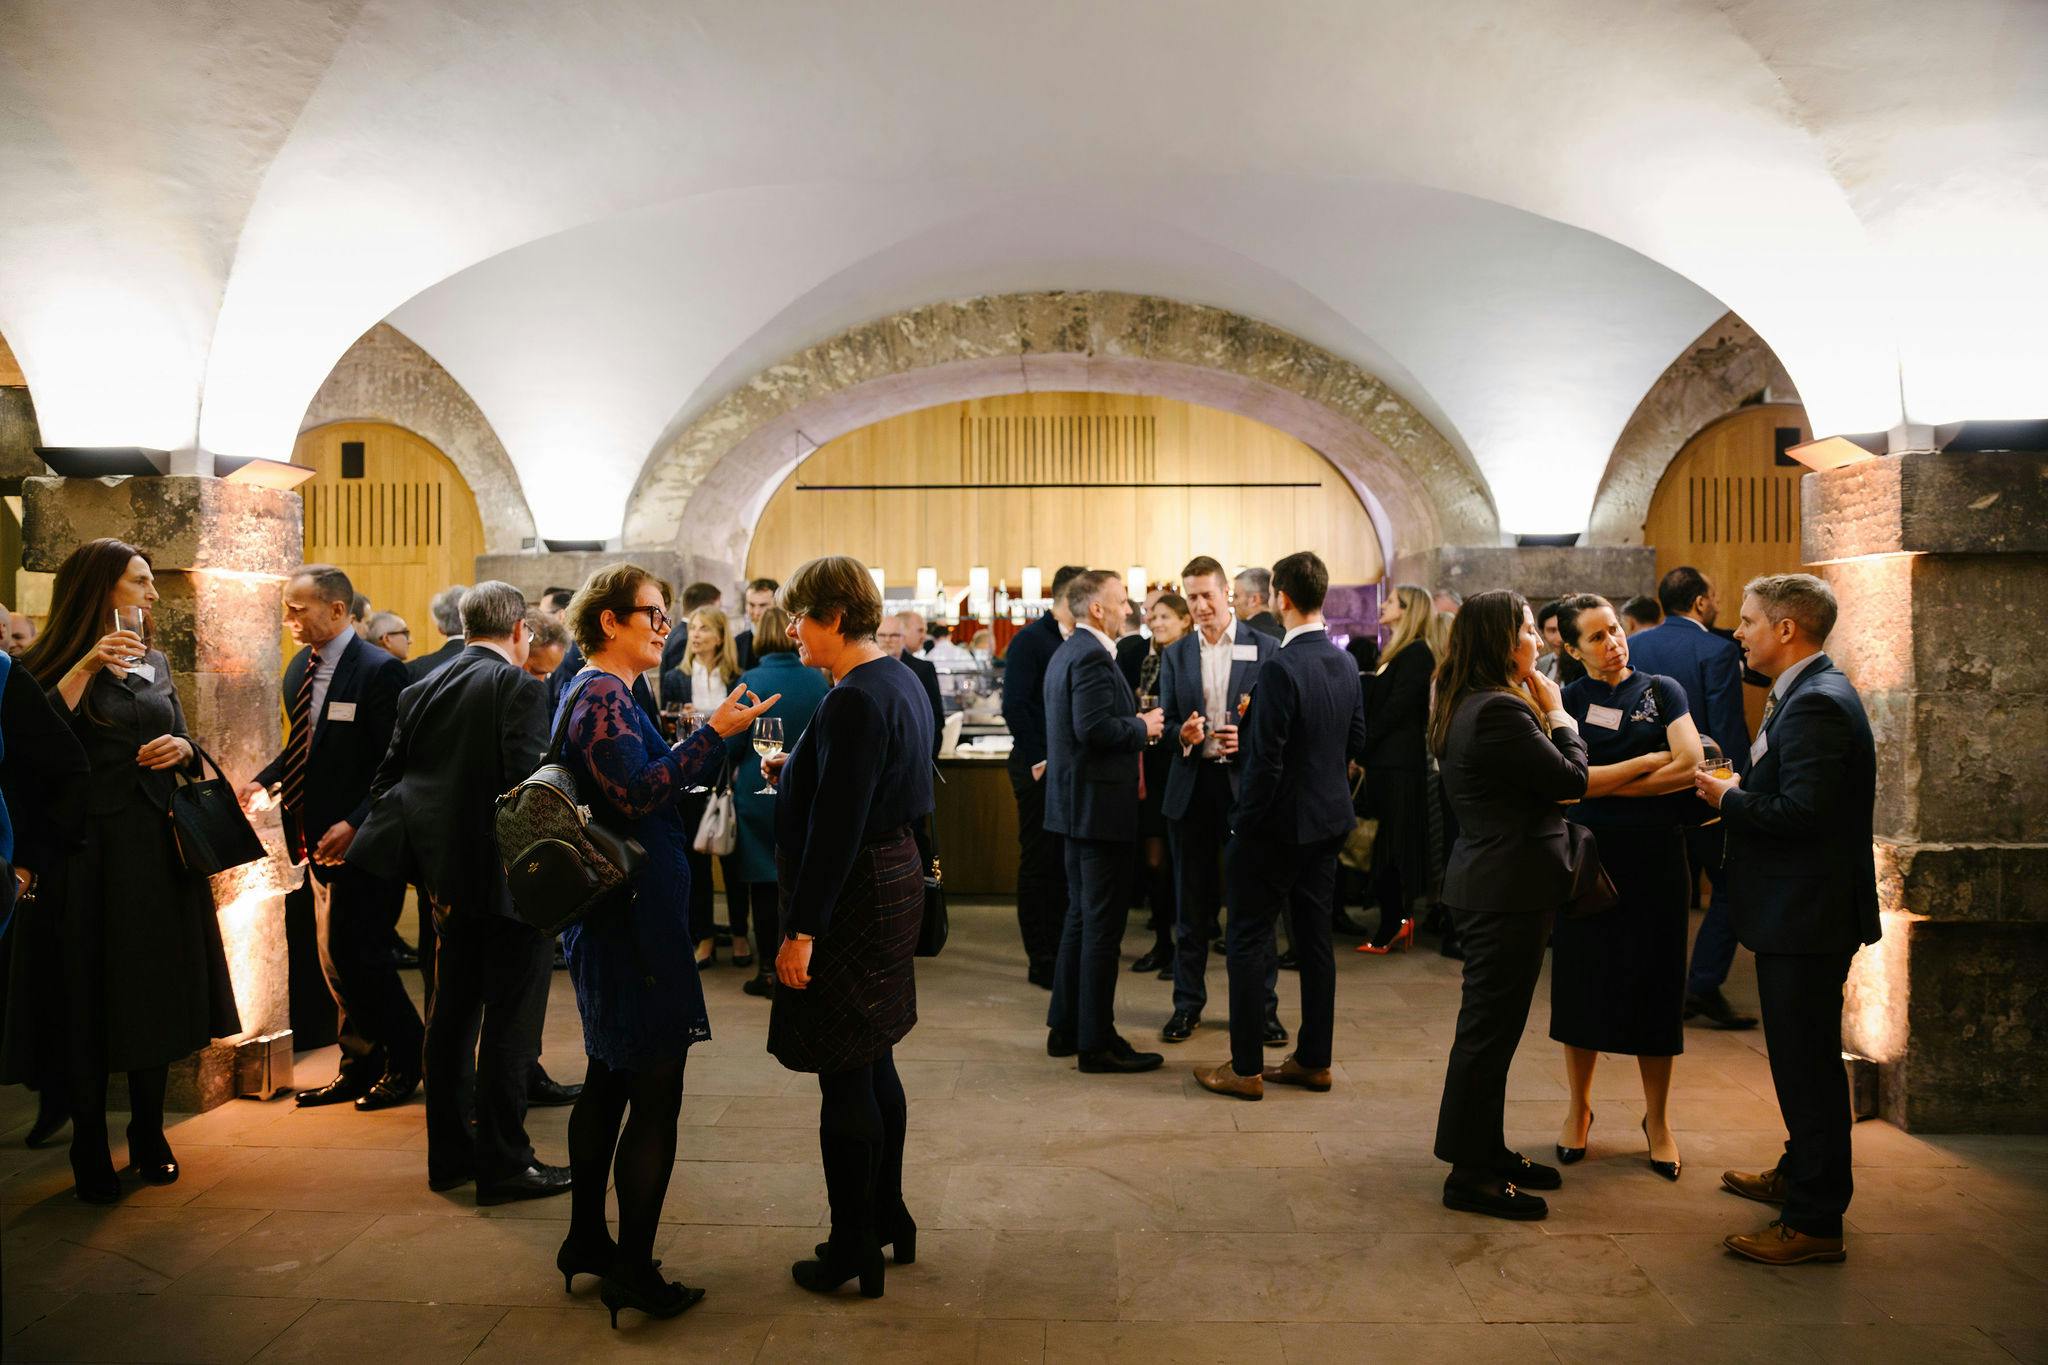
767 743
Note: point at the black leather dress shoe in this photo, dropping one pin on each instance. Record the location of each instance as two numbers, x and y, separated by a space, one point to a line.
1342 923
545 1092
1150 962
1715 1009
152 1158
1181 1027
388 1093
1058 1044
1530 1175
340 1090
1288 962
1495 1201
535 1182
1275 1034
753 985
1120 1059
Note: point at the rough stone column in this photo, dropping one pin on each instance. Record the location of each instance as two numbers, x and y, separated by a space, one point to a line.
534 574
1539 573
1941 565
220 551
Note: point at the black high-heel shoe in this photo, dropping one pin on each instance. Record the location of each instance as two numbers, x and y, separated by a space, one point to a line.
100 1185
573 1260
654 1296
1668 1169
1572 1156
51 1117
900 1234
833 1269
153 1160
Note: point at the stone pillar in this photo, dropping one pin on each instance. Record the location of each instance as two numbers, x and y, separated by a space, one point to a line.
220 551
534 574
1539 573
1941 564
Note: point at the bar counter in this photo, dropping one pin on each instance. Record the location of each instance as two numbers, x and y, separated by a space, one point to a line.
977 827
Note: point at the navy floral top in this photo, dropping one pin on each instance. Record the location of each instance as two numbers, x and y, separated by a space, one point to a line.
633 962
1620 723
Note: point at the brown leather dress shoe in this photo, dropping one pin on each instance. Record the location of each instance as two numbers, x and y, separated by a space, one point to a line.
1224 1081
1291 1072
1780 1245
1766 1187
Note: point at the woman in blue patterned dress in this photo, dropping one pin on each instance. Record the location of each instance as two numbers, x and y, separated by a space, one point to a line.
632 960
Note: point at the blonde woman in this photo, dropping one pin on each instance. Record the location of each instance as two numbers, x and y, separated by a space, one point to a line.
1397 764
709 667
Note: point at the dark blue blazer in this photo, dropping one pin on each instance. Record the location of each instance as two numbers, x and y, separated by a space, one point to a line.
1709 669
343 760
1307 718
1024 666
928 678
1801 873
1094 742
1180 692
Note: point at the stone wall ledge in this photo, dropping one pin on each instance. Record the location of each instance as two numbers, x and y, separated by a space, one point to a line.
180 522
1973 883
1539 573
1953 503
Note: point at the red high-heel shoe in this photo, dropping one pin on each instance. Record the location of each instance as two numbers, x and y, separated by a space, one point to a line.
1403 939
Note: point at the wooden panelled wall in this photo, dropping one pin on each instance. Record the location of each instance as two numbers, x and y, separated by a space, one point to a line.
973 456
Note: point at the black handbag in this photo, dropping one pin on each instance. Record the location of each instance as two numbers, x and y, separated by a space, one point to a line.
1593 890
933 929
212 833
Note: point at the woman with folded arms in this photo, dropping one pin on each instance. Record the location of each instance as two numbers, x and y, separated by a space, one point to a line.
853 898
1617 979
631 959
1511 757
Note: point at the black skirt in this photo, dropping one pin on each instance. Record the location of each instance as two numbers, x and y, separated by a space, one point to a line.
1399 799
1617 980
862 998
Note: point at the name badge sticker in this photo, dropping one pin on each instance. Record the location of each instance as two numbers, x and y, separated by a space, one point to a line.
341 710
1606 717
1759 747
1244 654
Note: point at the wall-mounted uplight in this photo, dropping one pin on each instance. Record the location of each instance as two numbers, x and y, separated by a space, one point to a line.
1830 452
279 474
99 462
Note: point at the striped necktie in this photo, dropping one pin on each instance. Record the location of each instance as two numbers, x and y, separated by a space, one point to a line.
1770 705
298 747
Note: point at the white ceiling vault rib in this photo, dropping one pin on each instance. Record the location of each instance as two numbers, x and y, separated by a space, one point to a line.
1863 183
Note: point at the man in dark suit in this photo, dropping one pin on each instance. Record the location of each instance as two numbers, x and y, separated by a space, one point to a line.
1095 739
1293 811
890 635
446 608
1041 865
463 736
341 700
1253 599
1201 677
1709 668
1803 880
760 596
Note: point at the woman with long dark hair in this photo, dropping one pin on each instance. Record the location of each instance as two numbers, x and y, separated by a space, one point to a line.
1511 757
1396 765
144 977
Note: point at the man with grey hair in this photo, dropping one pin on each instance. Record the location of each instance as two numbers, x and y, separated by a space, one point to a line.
388 631
1803 887
1252 599
446 609
467 732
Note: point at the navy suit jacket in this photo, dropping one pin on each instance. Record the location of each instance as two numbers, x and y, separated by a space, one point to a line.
928 678
345 754
1024 666
1709 669
1307 717
1801 873
1180 692
1094 743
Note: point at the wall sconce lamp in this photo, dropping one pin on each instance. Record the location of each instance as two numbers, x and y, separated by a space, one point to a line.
279 474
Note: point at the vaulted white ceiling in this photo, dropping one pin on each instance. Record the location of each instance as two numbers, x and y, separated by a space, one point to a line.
599 216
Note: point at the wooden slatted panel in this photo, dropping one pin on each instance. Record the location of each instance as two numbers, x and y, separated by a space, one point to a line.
1096 448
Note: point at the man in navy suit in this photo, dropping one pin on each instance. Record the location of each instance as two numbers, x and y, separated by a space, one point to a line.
341 701
1709 668
1803 881
1293 811
1201 677
1041 866
1095 740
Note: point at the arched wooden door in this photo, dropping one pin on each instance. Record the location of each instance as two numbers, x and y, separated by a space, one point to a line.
392 511
1730 508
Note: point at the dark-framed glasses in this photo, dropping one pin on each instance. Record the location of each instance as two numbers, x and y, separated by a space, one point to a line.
657 619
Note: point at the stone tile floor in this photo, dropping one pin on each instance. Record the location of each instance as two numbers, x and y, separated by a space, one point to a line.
1063 1218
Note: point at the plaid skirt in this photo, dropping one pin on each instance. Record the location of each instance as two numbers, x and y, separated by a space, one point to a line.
862 999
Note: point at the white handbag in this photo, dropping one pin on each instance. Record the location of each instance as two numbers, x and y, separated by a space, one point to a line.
718 831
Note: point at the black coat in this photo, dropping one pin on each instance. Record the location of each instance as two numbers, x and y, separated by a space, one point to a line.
349 737
1802 876
1094 741
928 677
1504 779
1130 656
1397 711
44 775
1266 623
1025 662
464 736
1306 719
416 669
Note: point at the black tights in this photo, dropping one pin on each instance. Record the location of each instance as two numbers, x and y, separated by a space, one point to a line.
861 1122
90 1153
638 1160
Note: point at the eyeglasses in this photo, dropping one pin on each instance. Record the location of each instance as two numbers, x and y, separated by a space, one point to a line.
657 619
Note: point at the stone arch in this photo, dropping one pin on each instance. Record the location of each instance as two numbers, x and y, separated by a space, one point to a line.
387 377
706 483
1727 366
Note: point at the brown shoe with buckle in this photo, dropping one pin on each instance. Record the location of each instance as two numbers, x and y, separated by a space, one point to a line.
1225 1081
1780 1245
1291 1072
1766 1187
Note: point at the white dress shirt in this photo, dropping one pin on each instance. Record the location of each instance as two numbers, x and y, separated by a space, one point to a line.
1216 660
1304 628
1783 682
1107 643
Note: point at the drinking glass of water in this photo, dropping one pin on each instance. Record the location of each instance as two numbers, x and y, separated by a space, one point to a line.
130 619
767 743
